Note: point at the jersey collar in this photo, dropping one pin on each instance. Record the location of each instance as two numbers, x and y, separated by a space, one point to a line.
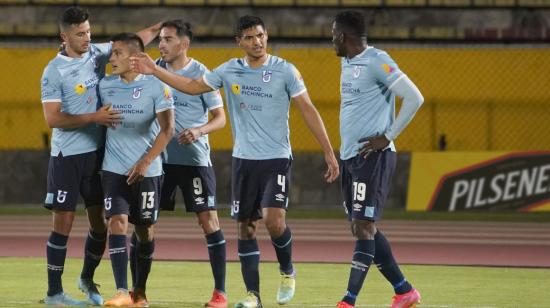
264 64
357 56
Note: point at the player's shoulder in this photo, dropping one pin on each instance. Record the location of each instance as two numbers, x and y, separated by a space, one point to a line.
109 80
278 62
58 62
194 69
233 63
375 54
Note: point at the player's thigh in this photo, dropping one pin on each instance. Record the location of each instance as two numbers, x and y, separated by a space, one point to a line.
90 184
144 207
171 180
245 190
346 186
274 176
199 189
117 194
371 181
62 183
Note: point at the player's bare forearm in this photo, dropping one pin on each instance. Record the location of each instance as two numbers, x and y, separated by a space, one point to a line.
167 131
58 119
317 127
55 118
215 123
181 83
148 34
314 122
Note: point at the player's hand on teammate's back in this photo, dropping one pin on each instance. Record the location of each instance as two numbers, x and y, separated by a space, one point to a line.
138 172
142 63
107 116
333 170
373 143
189 135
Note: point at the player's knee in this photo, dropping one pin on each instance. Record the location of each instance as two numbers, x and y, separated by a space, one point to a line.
208 221
145 233
98 224
275 227
363 229
63 222
247 230
118 224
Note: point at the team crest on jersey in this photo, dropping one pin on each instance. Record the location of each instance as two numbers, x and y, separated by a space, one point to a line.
356 71
137 93
80 89
236 89
266 76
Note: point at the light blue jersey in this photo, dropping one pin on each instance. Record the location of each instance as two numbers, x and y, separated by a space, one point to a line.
258 100
368 106
73 83
139 102
191 111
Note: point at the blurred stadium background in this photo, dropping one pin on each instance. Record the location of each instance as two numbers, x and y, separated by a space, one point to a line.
482 66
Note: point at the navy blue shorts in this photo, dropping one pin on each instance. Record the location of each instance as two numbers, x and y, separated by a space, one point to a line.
71 176
140 201
256 184
197 184
366 183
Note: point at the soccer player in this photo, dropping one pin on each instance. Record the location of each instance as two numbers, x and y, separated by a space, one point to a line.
187 163
132 167
370 81
70 100
258 87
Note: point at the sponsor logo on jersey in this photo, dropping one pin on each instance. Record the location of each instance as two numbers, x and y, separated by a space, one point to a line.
167 93
388 68
80 89
357 207
236 89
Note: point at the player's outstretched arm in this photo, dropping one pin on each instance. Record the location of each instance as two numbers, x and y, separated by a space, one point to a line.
317 127
167 130
190 135
148 34
143 64
59 119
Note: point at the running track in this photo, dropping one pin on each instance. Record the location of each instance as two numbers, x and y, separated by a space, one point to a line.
413 242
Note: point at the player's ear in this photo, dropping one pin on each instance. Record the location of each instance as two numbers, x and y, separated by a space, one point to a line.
238 40
185 43
63 36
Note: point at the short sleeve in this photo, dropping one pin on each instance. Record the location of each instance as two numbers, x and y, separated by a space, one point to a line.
294 81
104 48
214 79
385 69
51 85
212 99
164 99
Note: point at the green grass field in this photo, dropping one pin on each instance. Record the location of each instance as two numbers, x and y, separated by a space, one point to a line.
189 284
